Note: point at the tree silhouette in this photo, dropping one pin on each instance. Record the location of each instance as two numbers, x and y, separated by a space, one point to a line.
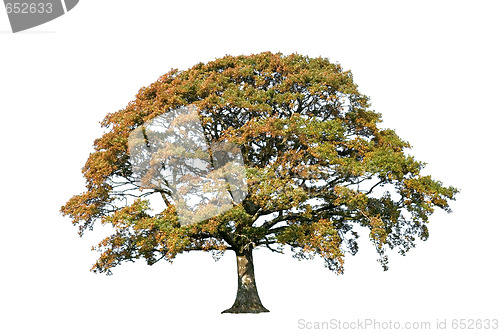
317 168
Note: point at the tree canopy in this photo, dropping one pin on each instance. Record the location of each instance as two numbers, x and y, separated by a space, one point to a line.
318 167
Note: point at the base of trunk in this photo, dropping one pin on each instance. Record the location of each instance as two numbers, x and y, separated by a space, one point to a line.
246 309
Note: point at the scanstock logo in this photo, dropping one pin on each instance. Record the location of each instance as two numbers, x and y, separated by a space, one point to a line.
170 154
26 14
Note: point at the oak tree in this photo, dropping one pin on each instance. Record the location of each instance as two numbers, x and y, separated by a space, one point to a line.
318 169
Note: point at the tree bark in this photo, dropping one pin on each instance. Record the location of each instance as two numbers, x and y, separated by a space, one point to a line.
247 298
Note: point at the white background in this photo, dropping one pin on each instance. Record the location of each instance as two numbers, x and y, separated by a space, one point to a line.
431 69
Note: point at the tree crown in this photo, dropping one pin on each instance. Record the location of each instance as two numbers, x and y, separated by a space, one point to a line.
317 165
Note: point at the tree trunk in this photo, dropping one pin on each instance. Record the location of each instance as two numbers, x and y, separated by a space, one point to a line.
247 297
